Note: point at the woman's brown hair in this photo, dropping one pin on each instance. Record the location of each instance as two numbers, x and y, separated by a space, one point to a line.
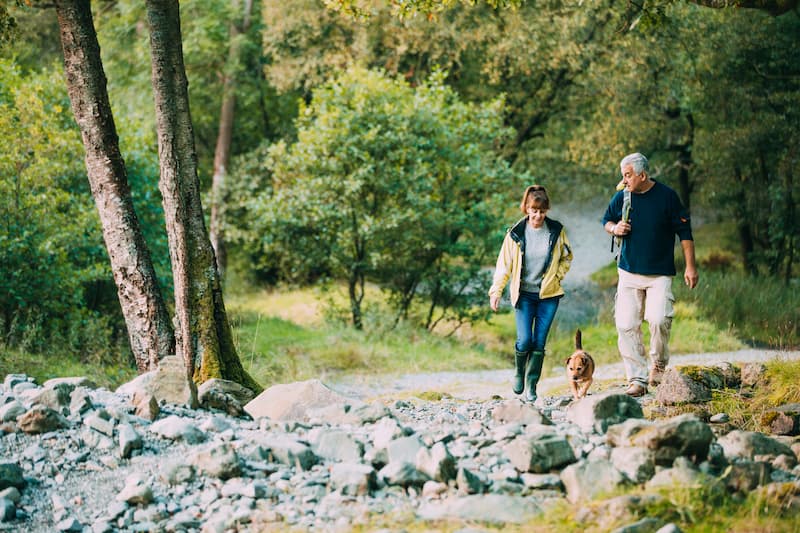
538 198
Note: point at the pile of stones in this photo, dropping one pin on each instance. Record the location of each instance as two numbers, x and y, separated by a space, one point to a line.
159 455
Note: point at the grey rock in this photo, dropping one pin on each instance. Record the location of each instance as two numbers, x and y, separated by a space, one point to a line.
753 373
353 479
637 464
436 463
135 492
539 453
129 440
69 524
177 428
599 411
339 446
749 444
11 410
680 436
100 421
384 431
11 475
12 380
468 482
288 451
542 481
682 473
489 508
588 479
404 449
167 383
80 401
220 461
744 476
402 474
176 473
8 511
72 382
519 412
11 494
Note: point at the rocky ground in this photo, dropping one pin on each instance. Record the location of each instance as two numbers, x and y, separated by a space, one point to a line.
303 456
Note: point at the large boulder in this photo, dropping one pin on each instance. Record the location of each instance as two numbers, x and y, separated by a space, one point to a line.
293 401
693 384
168 383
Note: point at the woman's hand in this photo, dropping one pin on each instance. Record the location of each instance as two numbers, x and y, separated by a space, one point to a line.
494 302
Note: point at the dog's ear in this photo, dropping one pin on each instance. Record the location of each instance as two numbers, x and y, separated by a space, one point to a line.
566 361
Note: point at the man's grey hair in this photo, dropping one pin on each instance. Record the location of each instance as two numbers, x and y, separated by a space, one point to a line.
638 161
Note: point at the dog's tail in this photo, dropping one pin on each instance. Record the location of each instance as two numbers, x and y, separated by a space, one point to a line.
578 344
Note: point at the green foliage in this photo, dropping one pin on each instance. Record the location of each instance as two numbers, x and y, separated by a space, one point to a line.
57 286
388 184
763 313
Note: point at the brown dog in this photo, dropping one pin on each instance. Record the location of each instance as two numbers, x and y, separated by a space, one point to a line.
580 368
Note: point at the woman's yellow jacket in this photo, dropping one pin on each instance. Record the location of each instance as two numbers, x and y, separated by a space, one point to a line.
509 262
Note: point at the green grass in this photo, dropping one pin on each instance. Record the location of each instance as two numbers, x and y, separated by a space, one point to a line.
45 366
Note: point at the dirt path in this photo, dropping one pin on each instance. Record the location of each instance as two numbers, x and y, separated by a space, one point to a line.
483 385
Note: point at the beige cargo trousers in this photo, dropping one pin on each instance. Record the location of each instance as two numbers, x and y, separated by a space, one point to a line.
649 298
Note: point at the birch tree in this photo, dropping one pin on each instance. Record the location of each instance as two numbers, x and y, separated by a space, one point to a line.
146 317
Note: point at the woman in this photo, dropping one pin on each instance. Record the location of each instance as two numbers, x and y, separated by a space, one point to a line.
535 256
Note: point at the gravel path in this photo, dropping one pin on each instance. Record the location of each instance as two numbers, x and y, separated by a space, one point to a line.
484 385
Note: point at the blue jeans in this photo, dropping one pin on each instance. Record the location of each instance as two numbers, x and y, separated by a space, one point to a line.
534 318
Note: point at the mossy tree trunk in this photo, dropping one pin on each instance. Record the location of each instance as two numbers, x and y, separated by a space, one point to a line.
146 316
204 337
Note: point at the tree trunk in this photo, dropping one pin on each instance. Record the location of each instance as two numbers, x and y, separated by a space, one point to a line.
742 217
222 151
204 340
146 317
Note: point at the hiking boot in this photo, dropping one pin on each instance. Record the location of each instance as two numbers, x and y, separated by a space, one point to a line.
520 360
533 370
656 375
636 390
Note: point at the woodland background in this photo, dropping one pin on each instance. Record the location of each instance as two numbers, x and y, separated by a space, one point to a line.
369 156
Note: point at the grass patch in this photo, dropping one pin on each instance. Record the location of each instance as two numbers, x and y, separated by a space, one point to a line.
46 366
276 350
746 408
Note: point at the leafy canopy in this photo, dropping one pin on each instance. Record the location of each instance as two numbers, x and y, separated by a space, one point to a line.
389 184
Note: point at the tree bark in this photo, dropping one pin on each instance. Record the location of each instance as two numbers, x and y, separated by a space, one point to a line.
205 341
222 151
146 317
742 217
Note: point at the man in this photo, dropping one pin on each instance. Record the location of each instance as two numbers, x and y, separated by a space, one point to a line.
646 267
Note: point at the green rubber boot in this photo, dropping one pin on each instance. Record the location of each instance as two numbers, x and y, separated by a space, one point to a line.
521 360
533 371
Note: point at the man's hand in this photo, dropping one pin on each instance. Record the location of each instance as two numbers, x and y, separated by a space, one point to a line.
621 229
494 302
690 277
